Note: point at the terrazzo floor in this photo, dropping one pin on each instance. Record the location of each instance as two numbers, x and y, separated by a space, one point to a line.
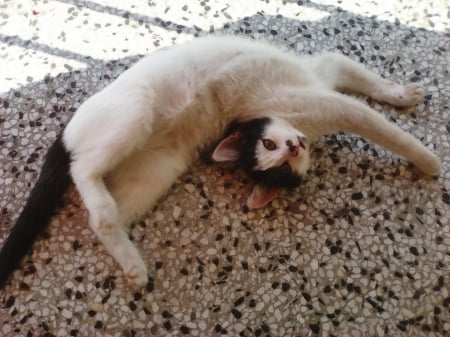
361 248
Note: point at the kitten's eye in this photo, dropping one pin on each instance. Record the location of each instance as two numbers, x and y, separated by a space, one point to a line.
269 144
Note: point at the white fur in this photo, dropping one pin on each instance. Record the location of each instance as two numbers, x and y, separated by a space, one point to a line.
134 138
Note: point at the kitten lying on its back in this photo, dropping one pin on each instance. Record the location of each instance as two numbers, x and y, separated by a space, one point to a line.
127 144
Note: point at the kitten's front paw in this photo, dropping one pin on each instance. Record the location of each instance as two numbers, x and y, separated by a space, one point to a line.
431 164
407 95
137 276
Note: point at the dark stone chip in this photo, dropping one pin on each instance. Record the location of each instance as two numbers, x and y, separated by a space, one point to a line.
285 286
236 313
308 296
314 328
265 327
185 330
76 245
414 251
132 305
24 286
167 325
334 249
239 301
150 285
446 302
106 298
409 233
166 314
98 325
446 198
401 327
357 196
426 327
10 301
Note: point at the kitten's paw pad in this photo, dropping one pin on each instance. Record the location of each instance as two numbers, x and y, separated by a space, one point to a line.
137 276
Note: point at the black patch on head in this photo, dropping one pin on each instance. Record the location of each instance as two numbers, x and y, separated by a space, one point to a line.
251 132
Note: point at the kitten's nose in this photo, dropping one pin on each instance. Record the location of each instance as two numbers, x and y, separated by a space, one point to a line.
293 149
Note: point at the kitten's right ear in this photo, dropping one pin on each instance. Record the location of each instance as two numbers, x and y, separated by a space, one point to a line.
229 148
261 196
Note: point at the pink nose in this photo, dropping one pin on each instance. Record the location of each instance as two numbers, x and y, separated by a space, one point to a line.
293 151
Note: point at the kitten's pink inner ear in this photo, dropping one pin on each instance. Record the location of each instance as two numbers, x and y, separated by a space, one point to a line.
228 149
261 196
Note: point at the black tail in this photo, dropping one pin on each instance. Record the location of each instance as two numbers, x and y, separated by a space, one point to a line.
44 200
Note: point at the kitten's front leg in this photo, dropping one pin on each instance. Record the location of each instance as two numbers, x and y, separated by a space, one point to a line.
397 94
327 112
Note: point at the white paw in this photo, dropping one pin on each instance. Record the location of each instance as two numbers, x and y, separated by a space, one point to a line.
407 95
430 164
136 275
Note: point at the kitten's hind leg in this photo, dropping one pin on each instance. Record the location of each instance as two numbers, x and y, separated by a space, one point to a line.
106 223
142 179
342 73
106 129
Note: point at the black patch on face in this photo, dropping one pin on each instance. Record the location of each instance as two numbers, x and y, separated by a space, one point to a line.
251 132
279 176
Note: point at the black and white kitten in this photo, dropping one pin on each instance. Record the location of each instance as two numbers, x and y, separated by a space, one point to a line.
127 144
271 152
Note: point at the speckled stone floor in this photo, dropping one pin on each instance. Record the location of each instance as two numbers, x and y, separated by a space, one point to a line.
360 249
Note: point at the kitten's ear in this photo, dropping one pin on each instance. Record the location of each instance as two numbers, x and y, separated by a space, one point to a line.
229 148
261 196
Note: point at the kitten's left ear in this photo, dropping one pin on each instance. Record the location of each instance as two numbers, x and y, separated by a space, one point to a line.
261 196
229 148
